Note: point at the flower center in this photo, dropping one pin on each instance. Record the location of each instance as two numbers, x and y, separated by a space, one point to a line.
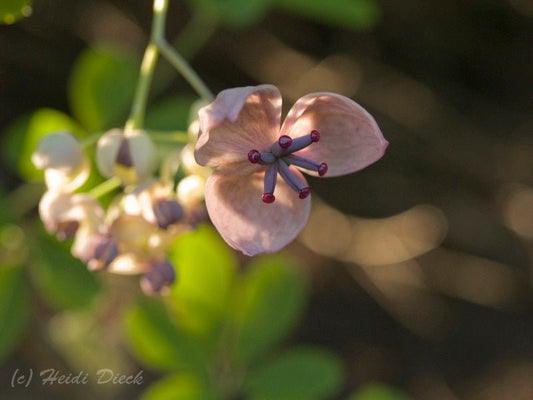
278 160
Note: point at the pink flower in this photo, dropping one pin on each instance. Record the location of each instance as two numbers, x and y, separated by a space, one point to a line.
324 134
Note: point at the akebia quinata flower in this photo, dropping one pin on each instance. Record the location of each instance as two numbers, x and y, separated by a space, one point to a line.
257 197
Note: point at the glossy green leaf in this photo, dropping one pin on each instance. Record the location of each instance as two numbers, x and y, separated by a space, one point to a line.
234 13
14 308
101 87
206 269
347 14
268 305
64 281
182 386
13 10
301 373
23 135
379 391
158 342
169 114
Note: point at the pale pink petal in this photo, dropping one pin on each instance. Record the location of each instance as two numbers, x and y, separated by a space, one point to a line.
247 224
350 138
239 120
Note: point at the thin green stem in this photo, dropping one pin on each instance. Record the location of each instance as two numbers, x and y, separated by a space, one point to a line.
138 109
105 187
178 62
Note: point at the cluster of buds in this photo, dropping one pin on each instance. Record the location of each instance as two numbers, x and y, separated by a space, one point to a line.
133 234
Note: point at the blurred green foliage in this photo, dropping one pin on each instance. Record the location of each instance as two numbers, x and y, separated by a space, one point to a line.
346 14
214 330
379 391
12 10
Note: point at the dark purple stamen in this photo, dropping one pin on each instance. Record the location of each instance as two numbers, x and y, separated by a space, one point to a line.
271 176
254 156
268 198
322 169
278 160
100 251
284 141
302 194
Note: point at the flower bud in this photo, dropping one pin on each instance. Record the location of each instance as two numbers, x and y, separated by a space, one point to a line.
63 213
61 156
99 251
59 150
191 190
160 275
131 155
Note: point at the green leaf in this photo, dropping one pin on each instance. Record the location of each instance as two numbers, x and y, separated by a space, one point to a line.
23 135
157 342
302 373
13 10
182 386
170 114
268 305
234 13
379 391
14 308
206 269
101 87
64 281
347 14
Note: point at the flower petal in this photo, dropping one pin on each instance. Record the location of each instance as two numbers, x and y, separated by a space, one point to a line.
239 120
246 223
350 138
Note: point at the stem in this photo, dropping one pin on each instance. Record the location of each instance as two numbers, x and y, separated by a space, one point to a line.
136 118
178 62
159 44
105 187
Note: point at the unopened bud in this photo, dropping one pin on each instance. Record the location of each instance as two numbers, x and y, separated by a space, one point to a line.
160 275
131 156
59 150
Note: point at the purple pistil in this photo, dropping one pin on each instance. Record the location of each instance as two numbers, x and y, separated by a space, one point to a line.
278 160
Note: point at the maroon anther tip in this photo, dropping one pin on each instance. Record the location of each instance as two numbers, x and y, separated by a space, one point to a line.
268 198
285 141
254 156
322 169
302 194
315 136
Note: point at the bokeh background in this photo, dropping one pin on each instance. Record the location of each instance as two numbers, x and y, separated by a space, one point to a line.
419 268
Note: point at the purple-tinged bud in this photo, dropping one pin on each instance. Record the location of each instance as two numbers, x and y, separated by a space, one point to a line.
99 252
285 141
67 229
254 156
167 212
160 275
322 169
315 136
268 198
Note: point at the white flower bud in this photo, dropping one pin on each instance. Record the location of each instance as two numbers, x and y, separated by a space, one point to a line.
63 213
191 190
61 156
59 150
131 155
